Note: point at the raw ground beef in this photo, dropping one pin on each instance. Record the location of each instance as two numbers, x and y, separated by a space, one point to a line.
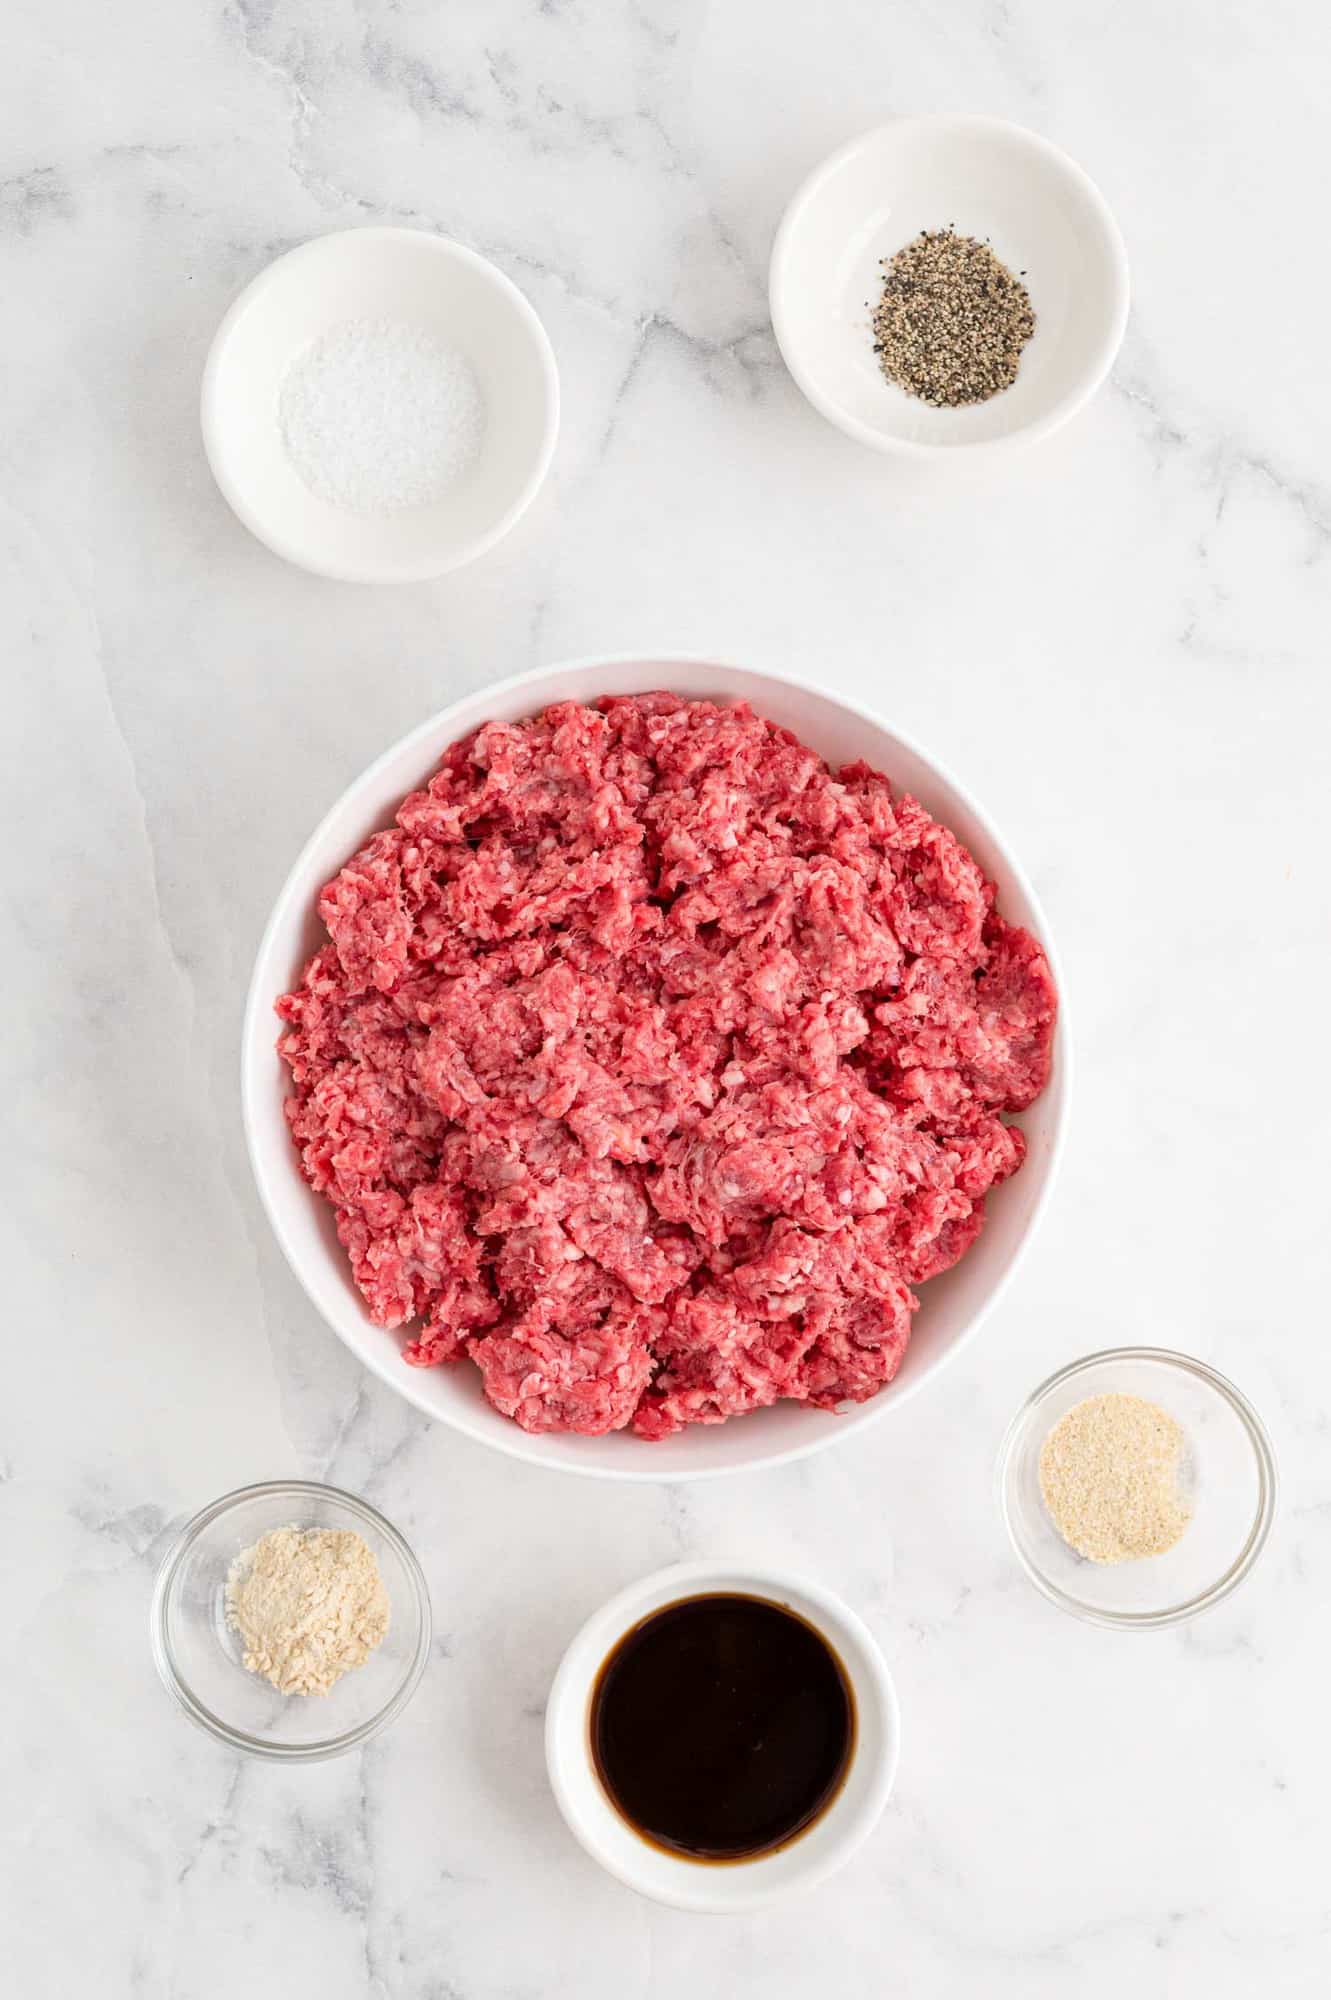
651 1064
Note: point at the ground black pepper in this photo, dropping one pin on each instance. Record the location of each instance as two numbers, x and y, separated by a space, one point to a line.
952 321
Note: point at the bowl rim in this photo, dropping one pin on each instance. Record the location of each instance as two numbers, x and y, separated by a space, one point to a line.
714 1890
388 1365
212 418
1255 1541
922 449
206 1718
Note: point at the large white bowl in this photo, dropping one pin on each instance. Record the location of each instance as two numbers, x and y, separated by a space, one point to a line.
952 1306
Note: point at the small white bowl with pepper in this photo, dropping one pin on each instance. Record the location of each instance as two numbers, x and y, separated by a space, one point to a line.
946 286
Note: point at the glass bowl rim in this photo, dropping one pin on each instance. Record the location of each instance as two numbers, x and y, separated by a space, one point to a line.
240 1739
1254 1542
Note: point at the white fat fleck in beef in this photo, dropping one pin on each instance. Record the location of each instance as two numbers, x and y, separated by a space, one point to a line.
650 1065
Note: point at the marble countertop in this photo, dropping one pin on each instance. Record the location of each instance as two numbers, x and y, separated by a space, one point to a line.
1119 641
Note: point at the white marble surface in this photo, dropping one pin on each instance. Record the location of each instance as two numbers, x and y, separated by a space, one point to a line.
1121 642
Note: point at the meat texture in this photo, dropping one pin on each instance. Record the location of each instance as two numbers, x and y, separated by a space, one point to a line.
651 1065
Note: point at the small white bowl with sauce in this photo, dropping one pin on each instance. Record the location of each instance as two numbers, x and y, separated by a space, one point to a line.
983 177
742 1884
408 279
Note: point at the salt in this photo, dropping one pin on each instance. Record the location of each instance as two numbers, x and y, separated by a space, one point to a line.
379 416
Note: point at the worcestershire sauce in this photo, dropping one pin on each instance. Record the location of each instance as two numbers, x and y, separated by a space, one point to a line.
722 1726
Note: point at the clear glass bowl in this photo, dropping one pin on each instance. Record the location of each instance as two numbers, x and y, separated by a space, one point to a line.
199 1656
1228 1473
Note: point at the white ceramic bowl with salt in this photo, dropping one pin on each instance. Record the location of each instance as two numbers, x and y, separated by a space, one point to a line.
380 405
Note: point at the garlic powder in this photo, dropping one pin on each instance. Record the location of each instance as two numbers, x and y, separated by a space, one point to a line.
308 1605
1109 1476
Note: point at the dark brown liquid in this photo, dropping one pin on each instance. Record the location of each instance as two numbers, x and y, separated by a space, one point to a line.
721 1727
